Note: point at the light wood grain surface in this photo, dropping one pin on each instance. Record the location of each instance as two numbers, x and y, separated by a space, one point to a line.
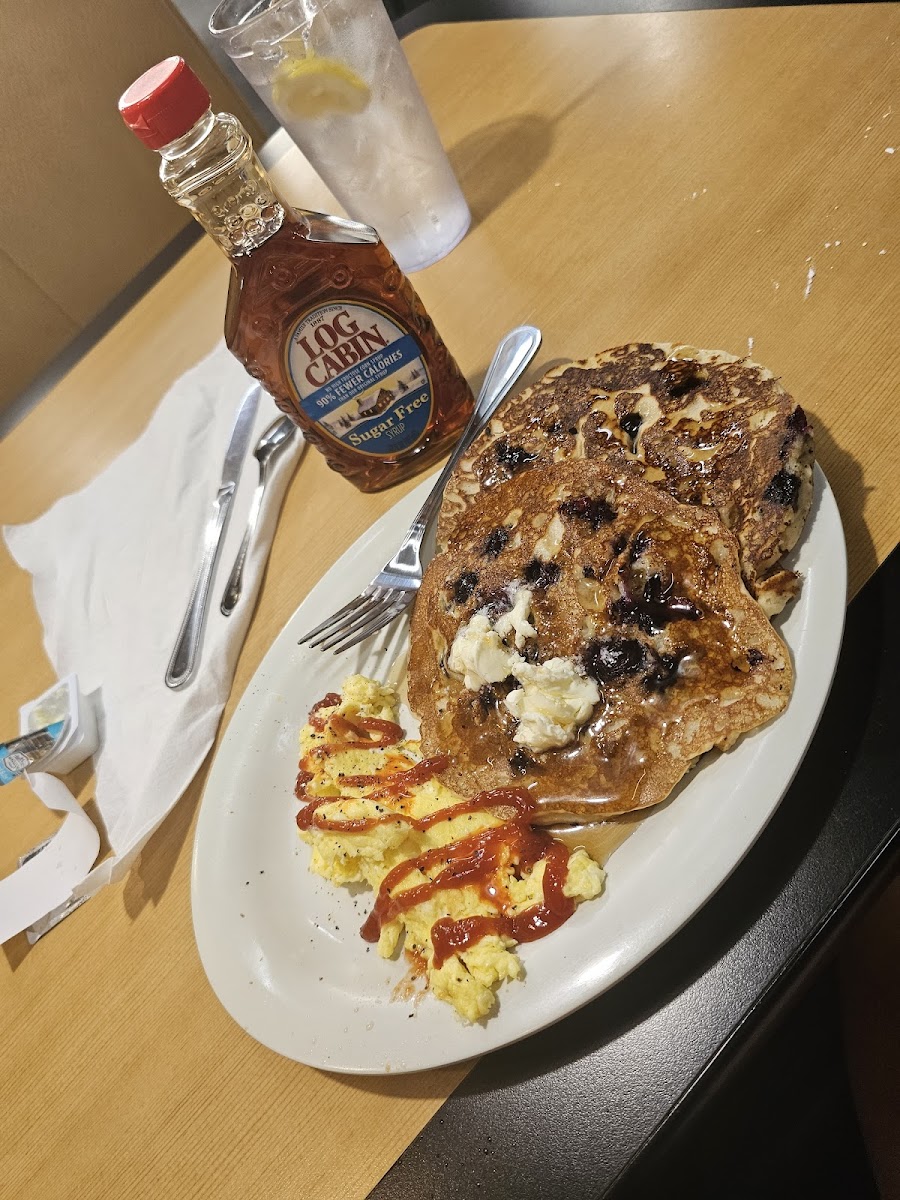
720 178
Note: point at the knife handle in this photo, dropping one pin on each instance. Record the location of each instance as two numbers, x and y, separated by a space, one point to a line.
184 656
235 584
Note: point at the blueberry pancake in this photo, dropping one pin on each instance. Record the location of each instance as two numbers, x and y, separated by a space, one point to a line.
588 637
704 426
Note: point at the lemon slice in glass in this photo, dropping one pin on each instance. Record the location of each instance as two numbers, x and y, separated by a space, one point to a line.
318 87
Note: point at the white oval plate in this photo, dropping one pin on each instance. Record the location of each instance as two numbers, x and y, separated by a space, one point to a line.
281 947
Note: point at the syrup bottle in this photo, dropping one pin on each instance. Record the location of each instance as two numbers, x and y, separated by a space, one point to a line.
317 309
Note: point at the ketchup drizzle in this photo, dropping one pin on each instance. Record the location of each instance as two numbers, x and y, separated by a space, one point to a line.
473 861
330 700
308 817
398 781
388 733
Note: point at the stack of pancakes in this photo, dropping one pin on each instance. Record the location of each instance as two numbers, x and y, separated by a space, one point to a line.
633 509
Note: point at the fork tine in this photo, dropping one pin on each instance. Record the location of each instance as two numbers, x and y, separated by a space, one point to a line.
378 623
327 625
356 620
366 618
372 613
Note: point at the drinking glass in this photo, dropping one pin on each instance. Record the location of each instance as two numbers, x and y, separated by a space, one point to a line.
336 77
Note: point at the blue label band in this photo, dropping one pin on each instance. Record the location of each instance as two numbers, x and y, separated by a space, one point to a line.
361 377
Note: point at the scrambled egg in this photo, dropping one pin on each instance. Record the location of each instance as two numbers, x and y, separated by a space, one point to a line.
466 979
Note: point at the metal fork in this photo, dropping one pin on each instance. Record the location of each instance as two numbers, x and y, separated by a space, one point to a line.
394 587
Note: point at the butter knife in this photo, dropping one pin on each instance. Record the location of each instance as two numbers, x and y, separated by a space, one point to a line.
184 656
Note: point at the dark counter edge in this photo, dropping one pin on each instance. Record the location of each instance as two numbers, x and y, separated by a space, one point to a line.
774 1002
497 1124
435 12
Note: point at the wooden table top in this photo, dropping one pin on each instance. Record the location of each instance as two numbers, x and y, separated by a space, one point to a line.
726 179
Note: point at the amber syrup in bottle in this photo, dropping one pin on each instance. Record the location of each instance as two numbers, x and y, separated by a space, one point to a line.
317 308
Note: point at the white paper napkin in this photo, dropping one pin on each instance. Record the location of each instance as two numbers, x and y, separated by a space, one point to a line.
113 566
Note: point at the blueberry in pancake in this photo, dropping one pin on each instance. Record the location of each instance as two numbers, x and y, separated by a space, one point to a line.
706 427
588 637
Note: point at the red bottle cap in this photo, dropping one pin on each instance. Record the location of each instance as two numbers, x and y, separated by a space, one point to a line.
164 103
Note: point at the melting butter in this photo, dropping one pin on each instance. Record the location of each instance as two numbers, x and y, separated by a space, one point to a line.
516 621
553 701
478 654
